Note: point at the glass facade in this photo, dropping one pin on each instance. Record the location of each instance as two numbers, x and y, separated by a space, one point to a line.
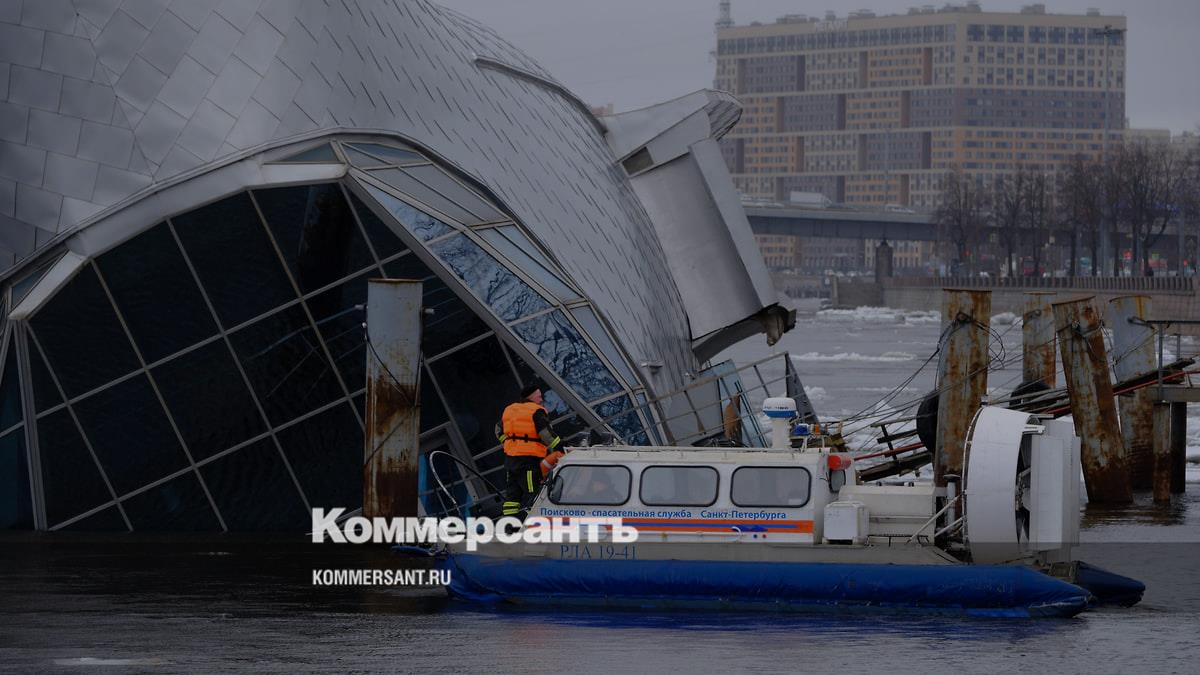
208 372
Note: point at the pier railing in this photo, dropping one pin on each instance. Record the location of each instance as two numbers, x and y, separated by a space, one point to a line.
721 407
1180 285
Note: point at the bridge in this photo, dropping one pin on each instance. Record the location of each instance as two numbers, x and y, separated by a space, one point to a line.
841 223
853 223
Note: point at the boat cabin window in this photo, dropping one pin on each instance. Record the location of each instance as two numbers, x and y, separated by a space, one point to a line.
788 486
679 486
591 485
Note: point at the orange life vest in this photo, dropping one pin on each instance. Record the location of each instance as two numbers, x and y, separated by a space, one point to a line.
520 435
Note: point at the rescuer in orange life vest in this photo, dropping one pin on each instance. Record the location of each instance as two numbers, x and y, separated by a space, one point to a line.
529 449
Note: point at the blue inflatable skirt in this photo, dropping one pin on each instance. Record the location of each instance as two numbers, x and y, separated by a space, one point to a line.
976 590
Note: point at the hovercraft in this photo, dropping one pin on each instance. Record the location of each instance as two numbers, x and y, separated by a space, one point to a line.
792 527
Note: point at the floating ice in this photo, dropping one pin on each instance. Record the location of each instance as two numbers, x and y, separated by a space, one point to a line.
879 316
918 318
882 315
886 357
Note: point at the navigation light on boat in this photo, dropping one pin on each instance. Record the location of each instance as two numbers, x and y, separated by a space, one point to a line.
839 462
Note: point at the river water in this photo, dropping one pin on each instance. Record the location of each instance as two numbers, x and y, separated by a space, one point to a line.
82 604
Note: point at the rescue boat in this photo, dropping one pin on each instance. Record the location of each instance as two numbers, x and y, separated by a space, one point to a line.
792 527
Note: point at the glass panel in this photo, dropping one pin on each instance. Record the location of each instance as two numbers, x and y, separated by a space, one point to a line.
285 365
454 191
586 485
208 400
22 287
648 415
10 391
556 341
553 403
478 385
45 394
234 259
361 160
568 427
340 323
108 520
423 226
157 295
130 434
321 153
175 506
422 193
385 241
71 483
513 245
679 486
16 509
315 232
592 327
731 392
452 322
620 415
389 154
786 487
492 283
254 492
326 452
76 326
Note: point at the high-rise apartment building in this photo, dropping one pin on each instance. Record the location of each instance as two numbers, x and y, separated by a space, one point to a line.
779 251
876 109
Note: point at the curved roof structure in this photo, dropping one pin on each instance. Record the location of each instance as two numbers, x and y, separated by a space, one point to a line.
238 169
109 99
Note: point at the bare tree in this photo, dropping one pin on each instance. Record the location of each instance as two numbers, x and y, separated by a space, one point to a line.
1078 209
1107 183
1009 202
961 214
1038 215
1151 188
1189 202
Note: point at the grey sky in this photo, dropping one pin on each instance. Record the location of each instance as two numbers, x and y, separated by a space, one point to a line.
633 53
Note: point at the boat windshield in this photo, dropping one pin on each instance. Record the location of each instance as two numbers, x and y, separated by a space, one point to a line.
591 485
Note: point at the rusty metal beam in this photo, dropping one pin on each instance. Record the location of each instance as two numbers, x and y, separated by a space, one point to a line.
1085 366
1133 356
391 464
1162 453
1037 334
1178 448
962 374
